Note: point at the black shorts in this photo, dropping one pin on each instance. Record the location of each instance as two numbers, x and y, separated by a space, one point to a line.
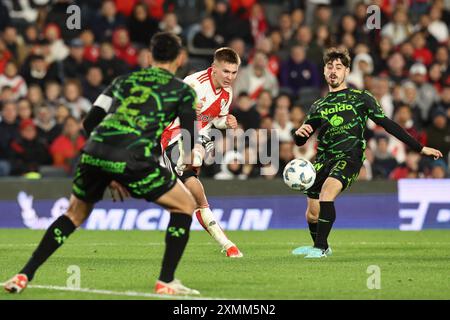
143 177
171 156
346 170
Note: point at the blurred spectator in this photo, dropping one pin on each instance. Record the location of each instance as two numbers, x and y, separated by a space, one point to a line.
381 91
258 22
441 58
169 23
47 127
245 112
435 77
421 53
205 41
348 25
123 48
15 44
273 63
78 105
74 66
297 116
264 103
384 162
35 95
107 21
444 102
93 83
52 93
438 133
322 16
5 55
8 132
188 12
321 40
29 152
140 26
58 50
438 170
62 112
399 28
111 66
285 28
396 67
362 65
24 109
4 17
298 72
281 121
286 155
228 25
426 94
297 18
10 78
91 50
409 97
408 169
183 70
437 28
238 45
232 166
403 116
66 147
38 71
255 78
6 94
383 52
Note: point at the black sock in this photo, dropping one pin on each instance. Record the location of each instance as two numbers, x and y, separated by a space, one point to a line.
327 216
313 230
53 238
177 236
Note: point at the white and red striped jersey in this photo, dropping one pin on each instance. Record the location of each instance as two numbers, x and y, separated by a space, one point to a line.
213 107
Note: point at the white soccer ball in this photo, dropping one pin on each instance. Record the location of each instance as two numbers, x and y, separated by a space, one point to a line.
299 174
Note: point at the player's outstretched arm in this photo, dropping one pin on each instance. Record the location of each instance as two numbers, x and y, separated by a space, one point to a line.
394 128
436 154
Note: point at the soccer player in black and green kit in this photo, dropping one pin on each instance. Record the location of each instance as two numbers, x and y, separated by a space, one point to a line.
340 119
123 151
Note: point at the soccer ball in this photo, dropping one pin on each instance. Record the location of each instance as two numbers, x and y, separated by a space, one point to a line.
299 174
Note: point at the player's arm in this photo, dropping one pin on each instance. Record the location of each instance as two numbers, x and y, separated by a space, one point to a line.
308 128
100 108
376 114
187 114
225 120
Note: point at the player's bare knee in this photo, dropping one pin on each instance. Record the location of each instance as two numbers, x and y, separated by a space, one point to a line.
311 217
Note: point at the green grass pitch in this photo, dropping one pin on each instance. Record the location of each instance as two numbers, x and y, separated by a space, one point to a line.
412 265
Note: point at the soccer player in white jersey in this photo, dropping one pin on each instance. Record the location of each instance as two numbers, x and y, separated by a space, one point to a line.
214 94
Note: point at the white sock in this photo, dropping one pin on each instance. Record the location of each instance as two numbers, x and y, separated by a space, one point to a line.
214 228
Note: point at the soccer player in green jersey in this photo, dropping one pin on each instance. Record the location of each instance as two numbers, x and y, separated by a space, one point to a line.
340 119
125 127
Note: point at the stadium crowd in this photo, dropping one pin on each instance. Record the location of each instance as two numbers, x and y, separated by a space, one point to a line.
51 74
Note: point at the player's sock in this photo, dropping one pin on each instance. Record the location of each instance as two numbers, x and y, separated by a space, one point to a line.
209 222
177 236
313 230
54 237
327 216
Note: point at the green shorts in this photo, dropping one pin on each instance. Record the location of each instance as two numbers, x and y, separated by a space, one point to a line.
346 170
143 177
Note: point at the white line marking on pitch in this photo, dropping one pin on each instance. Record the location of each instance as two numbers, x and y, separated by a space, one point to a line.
117 293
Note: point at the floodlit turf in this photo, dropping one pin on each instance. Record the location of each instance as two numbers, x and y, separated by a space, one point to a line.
413 265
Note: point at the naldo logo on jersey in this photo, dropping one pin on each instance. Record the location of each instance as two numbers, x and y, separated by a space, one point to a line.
338 108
